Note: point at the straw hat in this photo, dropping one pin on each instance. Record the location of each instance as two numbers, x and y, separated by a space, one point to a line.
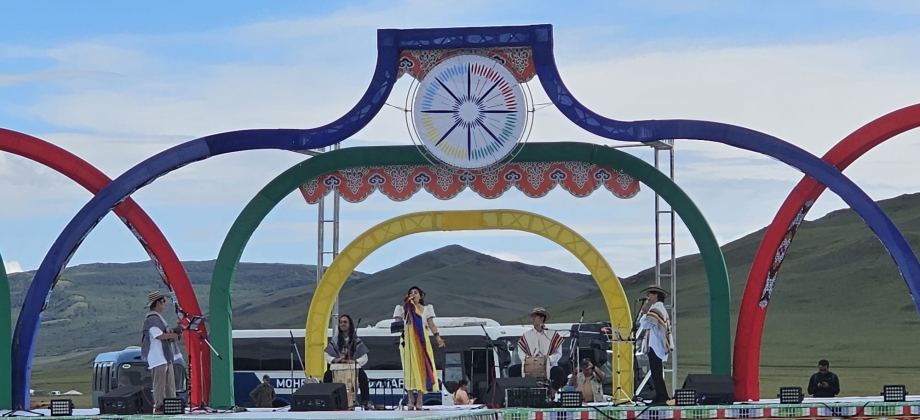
654 288
154 296
540 311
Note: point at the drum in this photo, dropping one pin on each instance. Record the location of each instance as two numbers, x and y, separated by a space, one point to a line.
534 367
346 373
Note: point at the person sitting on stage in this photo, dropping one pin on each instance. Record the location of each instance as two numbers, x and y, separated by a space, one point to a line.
539 350
655 319
415 346
345 347
824 383
461 395
589 380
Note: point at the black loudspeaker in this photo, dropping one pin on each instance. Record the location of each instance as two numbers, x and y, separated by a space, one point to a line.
711 389
502 384
320 397
127 400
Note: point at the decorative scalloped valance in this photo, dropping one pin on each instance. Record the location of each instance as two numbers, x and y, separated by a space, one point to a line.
534 179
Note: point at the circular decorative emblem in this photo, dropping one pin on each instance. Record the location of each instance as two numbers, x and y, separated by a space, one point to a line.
469 111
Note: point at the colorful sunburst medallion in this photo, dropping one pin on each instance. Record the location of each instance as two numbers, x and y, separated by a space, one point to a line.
469 111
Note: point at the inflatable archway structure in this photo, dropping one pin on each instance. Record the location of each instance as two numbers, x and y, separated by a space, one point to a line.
365 244
778 238
138 222
292 179
536 44
6 323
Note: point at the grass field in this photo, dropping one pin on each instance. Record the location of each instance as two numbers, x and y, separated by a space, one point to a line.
64 380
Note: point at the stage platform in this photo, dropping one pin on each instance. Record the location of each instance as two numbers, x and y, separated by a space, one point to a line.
810 408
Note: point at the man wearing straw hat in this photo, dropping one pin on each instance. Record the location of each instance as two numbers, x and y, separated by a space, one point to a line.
655 319
159 349
540 350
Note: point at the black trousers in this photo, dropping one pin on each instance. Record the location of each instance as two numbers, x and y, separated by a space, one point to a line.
362 384
657 369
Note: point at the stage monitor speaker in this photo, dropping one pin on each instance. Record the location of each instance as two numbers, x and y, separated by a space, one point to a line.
127 400
527 397
320 397
711 389
502 384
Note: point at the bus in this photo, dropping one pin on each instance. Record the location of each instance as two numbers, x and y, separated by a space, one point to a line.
120 368
476 349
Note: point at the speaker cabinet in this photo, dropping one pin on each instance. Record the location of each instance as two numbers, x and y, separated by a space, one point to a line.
127 400
711 389
497 395
320 397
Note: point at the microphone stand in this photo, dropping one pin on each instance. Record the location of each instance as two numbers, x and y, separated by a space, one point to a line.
490 370
193 325
634 336
573 348
356 383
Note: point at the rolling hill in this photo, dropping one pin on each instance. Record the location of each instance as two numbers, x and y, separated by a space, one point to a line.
839 296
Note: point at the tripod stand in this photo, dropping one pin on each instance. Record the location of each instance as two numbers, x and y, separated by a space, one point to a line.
194 325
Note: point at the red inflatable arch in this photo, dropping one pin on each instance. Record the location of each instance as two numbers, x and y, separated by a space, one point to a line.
170 269
778 238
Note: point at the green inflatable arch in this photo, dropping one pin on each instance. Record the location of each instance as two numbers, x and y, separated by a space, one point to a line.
279 188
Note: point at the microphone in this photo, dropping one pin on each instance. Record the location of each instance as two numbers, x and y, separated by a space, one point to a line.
643 299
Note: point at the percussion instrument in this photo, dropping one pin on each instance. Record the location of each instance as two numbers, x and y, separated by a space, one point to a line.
534 367
346 373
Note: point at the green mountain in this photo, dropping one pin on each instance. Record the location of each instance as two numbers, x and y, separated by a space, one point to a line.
456 280
838 296
97 307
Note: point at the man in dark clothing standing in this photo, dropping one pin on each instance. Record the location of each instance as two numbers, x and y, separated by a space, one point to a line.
263 396
824 383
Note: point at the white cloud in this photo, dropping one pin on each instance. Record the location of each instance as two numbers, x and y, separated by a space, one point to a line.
12 267
132 99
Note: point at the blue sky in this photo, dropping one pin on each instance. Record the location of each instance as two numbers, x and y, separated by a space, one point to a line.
115 82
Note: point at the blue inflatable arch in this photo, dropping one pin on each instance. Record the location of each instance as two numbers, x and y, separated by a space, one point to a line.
390 42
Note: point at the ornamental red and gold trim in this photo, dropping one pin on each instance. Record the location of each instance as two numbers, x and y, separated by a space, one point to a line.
534 179
519 60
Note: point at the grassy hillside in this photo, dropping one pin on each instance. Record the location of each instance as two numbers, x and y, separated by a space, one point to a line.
97 306
839 296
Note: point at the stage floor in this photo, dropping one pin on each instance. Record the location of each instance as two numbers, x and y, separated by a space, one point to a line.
810 408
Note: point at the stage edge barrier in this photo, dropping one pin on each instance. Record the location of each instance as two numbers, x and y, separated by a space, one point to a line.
167 264
259 207
778 239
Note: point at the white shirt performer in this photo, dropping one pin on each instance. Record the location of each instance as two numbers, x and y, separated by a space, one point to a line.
658 346
159 349
539 346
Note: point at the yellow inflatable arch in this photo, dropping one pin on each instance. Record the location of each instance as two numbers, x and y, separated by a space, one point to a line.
345 263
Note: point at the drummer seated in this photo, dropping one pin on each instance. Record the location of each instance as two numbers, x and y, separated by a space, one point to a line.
363 384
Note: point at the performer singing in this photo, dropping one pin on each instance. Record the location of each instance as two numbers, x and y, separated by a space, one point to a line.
159 350
540 350
346 347
415 346
655 319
